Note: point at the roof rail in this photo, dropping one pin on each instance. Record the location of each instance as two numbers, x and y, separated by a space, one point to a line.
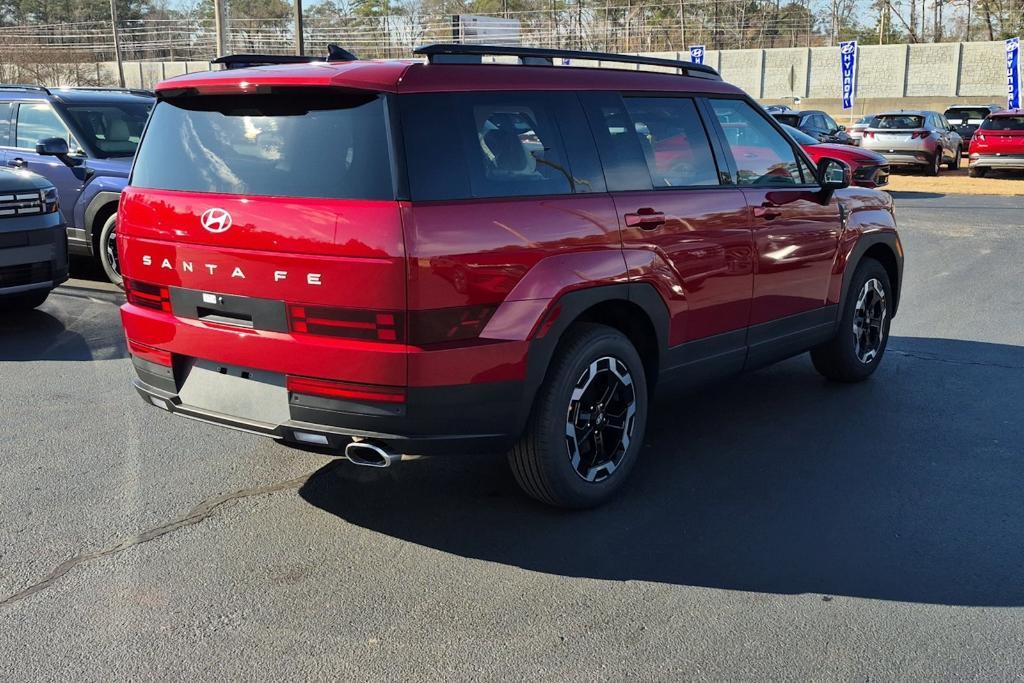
472 54
23 86
101 88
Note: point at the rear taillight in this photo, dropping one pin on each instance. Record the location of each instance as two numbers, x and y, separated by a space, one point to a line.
869 135
149 353
352 323
147 295
345 390
979 136
436 326
914 134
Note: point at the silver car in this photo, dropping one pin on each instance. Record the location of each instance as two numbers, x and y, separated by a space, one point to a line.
914 138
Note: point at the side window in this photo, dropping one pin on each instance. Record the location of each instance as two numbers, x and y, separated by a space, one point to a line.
763 156
830 125
37 121
5 123
673 141
504 144
622 158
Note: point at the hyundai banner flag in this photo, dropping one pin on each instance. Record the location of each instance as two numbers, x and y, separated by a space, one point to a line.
848 64
1013 73
697 54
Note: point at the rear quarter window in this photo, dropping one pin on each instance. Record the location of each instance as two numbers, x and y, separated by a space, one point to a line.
291 143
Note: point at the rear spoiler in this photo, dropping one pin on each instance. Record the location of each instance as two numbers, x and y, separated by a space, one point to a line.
335 53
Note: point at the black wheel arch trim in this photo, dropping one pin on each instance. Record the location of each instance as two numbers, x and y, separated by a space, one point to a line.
866 242
102 200
570 307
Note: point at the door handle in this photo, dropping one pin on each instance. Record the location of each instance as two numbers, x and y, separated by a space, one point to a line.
645 219
766 212
17 162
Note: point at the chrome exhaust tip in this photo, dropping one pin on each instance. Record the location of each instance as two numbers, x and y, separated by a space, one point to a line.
370 455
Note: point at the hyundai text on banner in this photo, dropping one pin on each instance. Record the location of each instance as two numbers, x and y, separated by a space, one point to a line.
848 64
1012 73
697 54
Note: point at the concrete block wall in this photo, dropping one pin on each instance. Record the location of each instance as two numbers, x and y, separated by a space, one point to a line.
743 68
932 69
981 66
881 70
785 73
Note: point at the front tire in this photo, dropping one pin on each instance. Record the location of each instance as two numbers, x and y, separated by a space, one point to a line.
587 425
108 251
857 349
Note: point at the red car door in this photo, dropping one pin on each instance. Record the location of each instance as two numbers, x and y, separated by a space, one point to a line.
795 227
682 229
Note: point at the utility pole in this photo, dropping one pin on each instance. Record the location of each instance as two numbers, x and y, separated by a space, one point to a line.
300 47
117 42
220 22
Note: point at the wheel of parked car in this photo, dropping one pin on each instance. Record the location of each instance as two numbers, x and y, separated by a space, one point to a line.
860 341
932 168
977 171
588 421
108 251
24 302
954 163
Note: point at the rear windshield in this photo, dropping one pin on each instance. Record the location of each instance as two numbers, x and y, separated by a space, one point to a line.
1003 123
788 119
961 115
299 144
898 121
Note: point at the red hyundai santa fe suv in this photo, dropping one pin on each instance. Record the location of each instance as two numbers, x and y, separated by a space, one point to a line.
396 257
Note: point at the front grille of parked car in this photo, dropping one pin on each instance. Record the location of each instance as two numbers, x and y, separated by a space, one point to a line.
20 203
26 274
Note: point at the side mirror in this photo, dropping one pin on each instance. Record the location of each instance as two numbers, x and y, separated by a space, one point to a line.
57 147
842 127
833 174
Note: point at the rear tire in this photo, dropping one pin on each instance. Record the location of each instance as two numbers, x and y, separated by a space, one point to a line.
108 251
863 334
24 302
976 172
587 424
935 165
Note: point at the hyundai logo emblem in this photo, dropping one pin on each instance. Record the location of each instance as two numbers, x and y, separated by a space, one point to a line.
216 220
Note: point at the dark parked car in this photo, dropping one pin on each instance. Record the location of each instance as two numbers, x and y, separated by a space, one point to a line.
817 124
966 118
33 244
388 257
101 129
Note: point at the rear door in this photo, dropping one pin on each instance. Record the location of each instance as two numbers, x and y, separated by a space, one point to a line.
684 227
795 227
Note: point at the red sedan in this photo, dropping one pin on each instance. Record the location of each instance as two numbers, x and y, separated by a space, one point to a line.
869 169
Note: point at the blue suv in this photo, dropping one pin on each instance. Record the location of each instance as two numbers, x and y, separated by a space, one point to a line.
83 141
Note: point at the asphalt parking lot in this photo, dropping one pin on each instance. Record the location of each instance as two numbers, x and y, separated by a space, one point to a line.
777 527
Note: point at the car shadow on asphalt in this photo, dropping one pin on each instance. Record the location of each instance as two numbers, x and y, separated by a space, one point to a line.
59 331
906 487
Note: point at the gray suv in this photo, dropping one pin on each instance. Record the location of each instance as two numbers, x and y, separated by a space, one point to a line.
914 138
33 241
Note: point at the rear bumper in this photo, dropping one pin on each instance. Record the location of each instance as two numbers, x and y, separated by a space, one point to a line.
1009 162
462 419
906 157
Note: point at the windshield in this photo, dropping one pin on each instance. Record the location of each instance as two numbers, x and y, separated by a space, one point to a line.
787 119
300 144
1003 123
898 121
864 119
801 137
112 129
966 115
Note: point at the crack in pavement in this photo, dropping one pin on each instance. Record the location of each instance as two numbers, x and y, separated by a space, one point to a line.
198 514
951 361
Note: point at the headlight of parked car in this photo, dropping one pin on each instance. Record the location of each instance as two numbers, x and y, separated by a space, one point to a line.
50 203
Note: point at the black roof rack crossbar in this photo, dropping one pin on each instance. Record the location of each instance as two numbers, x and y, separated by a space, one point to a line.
449 52
104 88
